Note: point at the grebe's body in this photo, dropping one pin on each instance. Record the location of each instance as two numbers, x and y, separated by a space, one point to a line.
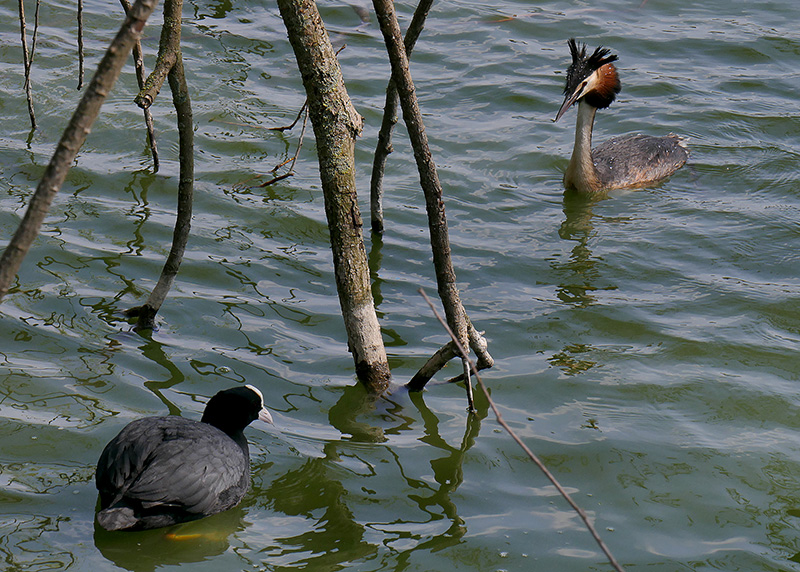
632 160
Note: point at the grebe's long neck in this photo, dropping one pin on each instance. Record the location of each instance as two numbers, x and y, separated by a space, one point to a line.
581 174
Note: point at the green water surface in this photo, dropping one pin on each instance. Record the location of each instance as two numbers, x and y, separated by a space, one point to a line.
646 344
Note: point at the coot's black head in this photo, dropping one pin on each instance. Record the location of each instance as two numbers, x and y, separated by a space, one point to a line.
234 409
591 77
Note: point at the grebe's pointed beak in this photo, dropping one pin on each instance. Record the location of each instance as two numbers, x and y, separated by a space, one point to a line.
587 85
583 88
569 100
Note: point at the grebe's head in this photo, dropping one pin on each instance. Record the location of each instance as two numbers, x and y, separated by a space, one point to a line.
593 78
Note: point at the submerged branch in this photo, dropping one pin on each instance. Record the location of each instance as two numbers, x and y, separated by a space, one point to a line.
435 363
170 50
428 175
447 352
180 98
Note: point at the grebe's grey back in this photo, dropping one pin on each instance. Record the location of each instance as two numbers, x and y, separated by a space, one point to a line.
632 160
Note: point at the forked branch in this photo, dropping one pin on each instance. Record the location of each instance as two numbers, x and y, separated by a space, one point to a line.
431 186
384 146
27 56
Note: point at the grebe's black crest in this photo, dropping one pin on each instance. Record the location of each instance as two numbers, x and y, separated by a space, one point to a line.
591 77
582 67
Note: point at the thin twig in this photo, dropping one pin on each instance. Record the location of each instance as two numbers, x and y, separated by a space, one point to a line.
27 58
35 34
274 180
584 517
296 119
138 60
80 44
293 160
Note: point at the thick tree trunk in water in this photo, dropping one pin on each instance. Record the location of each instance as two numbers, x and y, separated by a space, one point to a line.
71 141
336 125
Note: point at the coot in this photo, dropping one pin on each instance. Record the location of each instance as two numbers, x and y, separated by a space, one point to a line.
161 471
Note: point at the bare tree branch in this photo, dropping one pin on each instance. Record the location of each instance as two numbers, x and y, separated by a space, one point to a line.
435 363
168 54
447 352
384 146
170 51
283 128
293 160
138 61
429 178
74 135
80 44
27 58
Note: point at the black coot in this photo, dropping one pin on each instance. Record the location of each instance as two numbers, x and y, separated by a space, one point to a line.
161 471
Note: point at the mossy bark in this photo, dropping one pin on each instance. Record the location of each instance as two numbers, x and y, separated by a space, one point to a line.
336 126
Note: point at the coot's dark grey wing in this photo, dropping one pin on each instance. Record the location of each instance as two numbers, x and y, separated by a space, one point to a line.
636 159
201 472
174 462
124 457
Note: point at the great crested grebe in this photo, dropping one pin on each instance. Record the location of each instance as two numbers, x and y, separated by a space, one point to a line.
632 160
